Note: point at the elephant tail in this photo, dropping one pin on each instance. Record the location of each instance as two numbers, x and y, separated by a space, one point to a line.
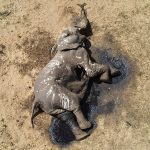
36 110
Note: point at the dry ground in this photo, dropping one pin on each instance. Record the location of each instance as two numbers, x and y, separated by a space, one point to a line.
28 28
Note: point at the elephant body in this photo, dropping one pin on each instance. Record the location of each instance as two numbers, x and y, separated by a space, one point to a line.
51 85
59 88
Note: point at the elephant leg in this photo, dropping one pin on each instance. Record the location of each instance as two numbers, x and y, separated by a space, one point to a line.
82 121
105 74
75 108
69 119
79 134
109 72
114 72
70 101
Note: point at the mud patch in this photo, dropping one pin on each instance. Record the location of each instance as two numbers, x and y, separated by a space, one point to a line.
5 133
27 103
37 46
69 10
61 130
115 60
99 99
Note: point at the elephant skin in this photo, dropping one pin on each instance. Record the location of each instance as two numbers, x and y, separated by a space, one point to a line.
58 88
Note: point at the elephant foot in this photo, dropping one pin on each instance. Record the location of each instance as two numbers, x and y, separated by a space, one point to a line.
104 77
79 134
114 72
85 125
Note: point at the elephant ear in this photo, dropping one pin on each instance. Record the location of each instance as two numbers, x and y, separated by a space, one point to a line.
68 47
61 47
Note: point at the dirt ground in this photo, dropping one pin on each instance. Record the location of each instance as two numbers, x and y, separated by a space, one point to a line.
29 28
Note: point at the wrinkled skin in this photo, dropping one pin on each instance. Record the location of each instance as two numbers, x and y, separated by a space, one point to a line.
58 88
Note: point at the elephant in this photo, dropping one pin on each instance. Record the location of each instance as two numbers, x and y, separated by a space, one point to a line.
58 87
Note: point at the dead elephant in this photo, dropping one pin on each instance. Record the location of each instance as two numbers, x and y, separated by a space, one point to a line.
52 92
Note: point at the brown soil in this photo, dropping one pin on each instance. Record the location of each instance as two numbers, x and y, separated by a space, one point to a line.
29 29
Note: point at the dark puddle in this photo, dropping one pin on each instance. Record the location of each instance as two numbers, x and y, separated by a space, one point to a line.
99 98
119 62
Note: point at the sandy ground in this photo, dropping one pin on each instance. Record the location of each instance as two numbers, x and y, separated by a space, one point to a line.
28 28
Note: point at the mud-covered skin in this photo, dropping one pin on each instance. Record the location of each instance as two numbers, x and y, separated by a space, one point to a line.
50 86
52 92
